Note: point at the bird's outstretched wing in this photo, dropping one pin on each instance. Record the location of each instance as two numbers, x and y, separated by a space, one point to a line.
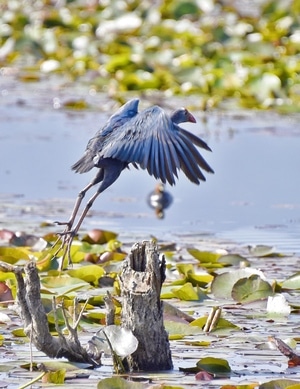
153 142
95 144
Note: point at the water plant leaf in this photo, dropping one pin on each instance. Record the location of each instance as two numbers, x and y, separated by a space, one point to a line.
204 257
223 283
96 316
251 289
12 255
216 366
262 250
62 284
234 260
174 328
295 386
245 386
19 332
293 282
119 383
200 279
88 273
170 311
54 377
222 323
189 293
278 384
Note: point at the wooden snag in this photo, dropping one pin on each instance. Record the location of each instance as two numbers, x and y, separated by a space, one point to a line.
141 280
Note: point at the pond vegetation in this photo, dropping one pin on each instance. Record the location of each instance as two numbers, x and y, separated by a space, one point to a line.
228 309
225 53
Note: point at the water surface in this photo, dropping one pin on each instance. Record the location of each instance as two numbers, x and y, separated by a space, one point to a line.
253 197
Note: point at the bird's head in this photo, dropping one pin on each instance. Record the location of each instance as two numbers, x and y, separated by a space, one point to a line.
182 115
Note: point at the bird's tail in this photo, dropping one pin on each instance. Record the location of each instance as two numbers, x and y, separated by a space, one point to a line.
83 165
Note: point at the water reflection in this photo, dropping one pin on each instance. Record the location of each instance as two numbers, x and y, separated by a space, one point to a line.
159 199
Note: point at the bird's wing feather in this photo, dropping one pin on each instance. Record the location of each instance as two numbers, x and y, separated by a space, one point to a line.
95 144
151 140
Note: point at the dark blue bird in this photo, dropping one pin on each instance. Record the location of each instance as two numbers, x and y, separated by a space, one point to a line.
150 140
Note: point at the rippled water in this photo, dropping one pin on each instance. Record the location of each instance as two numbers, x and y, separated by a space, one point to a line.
253 197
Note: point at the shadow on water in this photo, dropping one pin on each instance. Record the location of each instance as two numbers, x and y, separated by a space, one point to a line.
252 198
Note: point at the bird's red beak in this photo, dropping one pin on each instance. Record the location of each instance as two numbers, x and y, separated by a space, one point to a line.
191 118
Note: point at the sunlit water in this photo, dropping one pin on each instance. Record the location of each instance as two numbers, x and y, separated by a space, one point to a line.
253 197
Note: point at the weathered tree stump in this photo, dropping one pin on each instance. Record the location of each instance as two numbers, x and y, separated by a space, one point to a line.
142 310
35 320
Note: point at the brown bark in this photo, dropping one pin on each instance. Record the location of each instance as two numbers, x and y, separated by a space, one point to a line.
142 310
35 321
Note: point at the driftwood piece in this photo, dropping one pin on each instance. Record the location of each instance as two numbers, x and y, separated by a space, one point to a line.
35 321
142 310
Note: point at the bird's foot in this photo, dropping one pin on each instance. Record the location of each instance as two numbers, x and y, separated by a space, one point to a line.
68 224
66 238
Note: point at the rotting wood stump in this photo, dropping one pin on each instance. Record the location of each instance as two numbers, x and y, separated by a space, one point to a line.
141 280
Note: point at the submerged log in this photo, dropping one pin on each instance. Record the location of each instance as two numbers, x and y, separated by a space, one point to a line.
142 310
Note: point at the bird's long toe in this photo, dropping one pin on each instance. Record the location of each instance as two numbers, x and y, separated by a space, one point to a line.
67 224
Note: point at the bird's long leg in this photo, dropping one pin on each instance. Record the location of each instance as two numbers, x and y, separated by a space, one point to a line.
108 174
85 211
69 236
64 236
81 194
69 224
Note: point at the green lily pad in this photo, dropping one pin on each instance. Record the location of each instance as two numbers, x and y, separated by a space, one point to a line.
12 255
200 279
217 366
292 282
181 329
234 260
279 384
119 383
189 293
251 289
62 285
88 273
223 283
204 257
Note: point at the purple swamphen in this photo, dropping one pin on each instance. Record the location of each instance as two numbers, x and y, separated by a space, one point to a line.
150 139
